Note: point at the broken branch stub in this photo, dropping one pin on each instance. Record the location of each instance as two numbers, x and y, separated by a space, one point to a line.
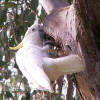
52 5
61 26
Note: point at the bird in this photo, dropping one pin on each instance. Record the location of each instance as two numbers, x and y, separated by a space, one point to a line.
29 59
35 64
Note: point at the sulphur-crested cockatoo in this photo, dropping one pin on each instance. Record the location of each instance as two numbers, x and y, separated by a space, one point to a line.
37 67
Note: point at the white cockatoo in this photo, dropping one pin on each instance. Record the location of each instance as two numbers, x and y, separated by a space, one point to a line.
35 64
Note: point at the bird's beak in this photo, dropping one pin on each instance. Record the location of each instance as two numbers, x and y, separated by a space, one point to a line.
20 45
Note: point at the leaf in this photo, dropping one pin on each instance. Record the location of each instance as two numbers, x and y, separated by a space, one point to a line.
10 5
8 94
43 15
23 98
73 98
58 98
2 63
69 1
0 96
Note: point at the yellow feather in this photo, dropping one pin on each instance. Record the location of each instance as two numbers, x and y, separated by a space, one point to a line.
20 45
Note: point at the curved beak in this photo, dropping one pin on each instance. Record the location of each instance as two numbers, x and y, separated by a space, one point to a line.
20 45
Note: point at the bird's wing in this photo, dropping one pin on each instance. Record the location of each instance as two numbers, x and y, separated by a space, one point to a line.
32 68
63 65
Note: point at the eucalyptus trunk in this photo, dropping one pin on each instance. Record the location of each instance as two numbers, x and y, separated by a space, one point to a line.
76 28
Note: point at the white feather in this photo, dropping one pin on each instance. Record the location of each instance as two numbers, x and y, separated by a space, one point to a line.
63 65
30 62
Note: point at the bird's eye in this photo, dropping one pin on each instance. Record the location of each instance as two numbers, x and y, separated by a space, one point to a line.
33 29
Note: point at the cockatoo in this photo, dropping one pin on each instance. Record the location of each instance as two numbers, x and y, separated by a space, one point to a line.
36 65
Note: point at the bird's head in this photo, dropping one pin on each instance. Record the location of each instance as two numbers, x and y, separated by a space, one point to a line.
32 36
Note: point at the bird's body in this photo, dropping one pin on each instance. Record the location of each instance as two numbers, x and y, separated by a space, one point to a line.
30 62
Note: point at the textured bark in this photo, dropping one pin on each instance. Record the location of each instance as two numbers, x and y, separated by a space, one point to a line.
78 27
88 25
70 90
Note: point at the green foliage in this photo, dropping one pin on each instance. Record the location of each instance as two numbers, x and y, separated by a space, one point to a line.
8 94
23 98
73 98
69 1
43 15
15 18
58 98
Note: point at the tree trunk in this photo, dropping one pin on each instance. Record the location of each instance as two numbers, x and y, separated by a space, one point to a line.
79 31
88 25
